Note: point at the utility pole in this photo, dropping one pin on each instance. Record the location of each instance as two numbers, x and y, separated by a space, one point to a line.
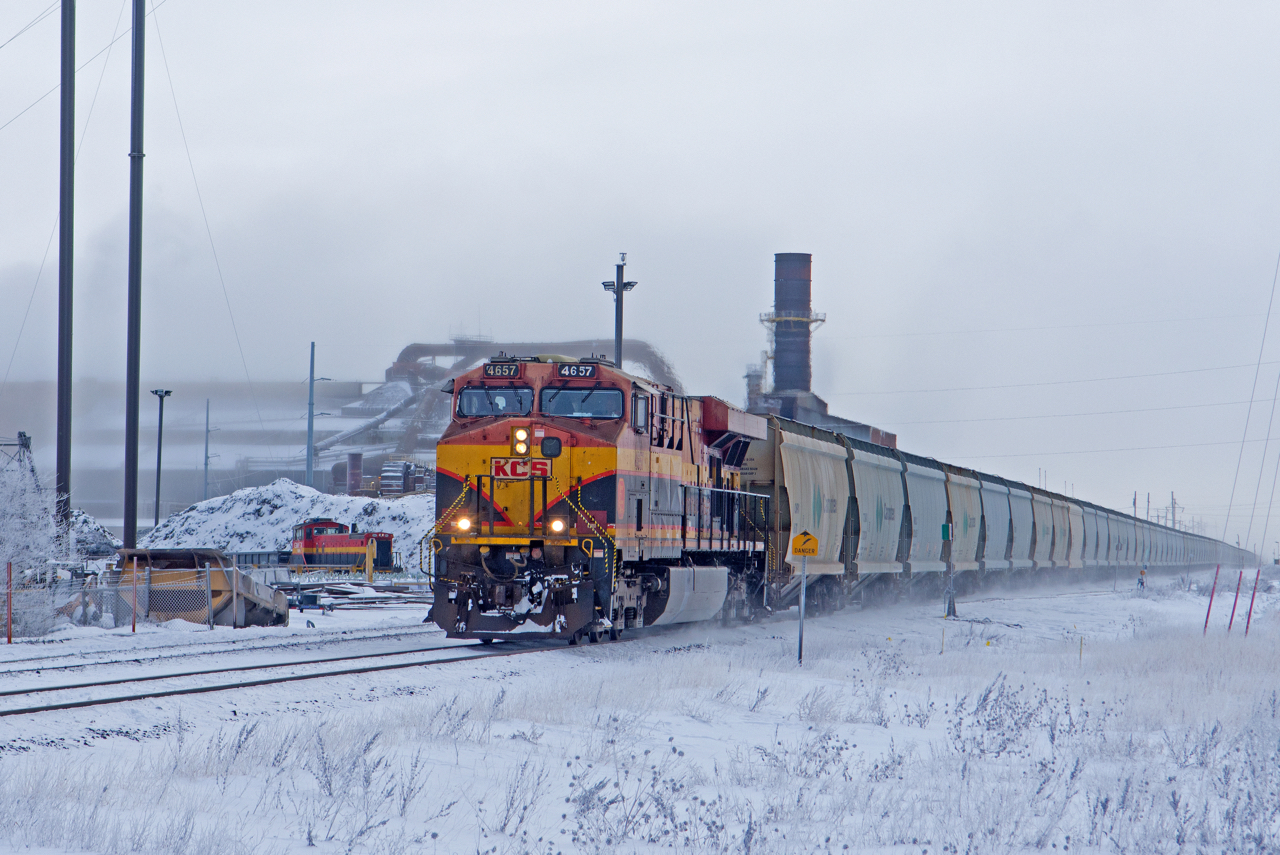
133 314
66 222
161 394
311 419
1173 510
1148 507
618 287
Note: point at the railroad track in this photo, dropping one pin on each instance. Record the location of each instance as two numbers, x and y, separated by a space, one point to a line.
448 655
210 648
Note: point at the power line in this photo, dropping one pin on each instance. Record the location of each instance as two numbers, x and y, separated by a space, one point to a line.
1252 391
1097 450
38 18
207 229
1054 382
78 70
971 331
45 258
1066 415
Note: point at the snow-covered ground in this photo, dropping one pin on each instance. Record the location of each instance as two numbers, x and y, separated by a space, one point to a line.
262 518
1068 718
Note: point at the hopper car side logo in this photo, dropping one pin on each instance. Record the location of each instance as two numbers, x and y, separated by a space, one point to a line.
519 468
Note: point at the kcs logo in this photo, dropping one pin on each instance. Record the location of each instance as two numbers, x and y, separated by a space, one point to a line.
519 468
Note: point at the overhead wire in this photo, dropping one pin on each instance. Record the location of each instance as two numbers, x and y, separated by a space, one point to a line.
155 20
82 67
1262 462
1098 450
45 258
962 330
1057 382
1065 415
49 10
1252 392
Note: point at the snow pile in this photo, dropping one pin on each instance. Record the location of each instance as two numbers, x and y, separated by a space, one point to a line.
262 518
92 539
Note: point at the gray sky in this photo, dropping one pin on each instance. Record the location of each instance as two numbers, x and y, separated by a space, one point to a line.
994 194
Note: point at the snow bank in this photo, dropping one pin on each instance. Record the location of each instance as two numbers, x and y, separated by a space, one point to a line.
262 518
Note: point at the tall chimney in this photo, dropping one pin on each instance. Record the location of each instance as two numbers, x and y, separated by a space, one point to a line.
355 472
792 285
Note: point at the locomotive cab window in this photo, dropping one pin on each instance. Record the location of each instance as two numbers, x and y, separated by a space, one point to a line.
581 402
480 401
640 411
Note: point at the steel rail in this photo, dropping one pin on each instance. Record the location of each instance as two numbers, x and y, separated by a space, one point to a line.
321 637
267 681
208 671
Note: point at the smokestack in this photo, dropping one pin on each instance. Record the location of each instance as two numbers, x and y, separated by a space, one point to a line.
793 309
355 472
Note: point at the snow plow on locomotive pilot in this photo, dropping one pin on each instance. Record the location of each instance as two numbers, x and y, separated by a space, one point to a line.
576 500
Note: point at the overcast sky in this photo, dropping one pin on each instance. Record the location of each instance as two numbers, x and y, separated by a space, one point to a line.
995 195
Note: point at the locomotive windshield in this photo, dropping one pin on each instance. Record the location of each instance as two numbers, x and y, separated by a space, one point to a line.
478 401
580 403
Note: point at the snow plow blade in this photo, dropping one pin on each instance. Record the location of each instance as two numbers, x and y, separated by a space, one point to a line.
190 583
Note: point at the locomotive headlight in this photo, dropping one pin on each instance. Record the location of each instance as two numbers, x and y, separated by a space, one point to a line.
557 526
520 442
464 524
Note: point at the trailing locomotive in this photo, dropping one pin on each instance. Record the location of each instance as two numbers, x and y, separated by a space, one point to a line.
574 499
327 543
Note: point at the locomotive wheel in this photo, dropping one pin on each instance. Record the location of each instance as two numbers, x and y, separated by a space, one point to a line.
594 636
614 634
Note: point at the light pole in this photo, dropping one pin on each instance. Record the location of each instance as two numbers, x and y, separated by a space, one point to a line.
161 394
311 418
207 455
618 288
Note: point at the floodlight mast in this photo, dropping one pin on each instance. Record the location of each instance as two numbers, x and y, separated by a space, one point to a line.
618 287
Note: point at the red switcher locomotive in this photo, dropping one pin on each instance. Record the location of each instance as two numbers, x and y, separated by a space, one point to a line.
324 542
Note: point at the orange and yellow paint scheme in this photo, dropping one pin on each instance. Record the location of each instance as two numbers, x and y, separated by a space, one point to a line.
562 487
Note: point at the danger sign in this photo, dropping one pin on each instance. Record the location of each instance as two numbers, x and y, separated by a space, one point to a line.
804 545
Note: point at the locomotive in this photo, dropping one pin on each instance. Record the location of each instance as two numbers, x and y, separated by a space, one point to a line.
575 500
324 542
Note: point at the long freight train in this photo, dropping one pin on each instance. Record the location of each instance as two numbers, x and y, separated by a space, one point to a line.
576 500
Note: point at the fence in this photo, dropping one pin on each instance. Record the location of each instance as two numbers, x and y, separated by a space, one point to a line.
36 602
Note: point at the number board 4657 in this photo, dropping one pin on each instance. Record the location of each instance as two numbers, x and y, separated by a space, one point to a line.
575 369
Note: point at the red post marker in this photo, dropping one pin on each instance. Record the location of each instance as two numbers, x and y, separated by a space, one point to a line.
1211 593
1235 602
8 605
1248 620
